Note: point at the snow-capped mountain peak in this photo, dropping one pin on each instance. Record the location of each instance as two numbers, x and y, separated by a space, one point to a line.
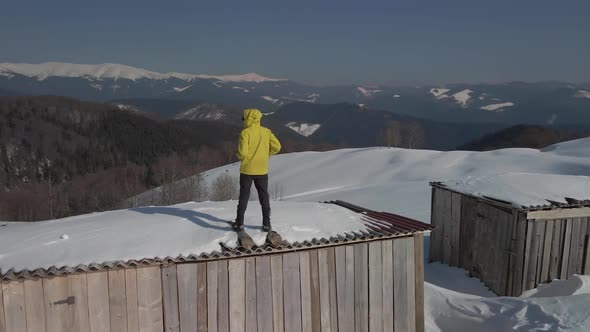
42 71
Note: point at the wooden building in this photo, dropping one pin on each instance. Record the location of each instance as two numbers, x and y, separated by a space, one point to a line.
513 231
367 280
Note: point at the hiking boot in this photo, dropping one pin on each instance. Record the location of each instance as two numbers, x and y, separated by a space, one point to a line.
237 227
266 228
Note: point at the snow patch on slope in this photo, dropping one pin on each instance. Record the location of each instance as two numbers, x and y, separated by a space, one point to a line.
240 88
304 129
183 88
497 107
439 92
462 97
271 99
367 92
582 94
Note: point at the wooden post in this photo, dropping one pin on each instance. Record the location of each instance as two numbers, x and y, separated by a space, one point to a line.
202 307
446 216
340 254
222 296
547 251
436 234
315 291
574 246
332 282
566 249
324 290
411 283
534 252
349 289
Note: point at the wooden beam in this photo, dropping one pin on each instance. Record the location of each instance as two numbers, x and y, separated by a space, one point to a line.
559 213
400 290
387 280
316 325
419 280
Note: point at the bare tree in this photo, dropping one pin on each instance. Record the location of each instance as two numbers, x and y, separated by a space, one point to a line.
414 135
224 188
276 191
392 134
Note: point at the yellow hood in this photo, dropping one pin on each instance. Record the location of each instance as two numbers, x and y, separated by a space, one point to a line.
252 117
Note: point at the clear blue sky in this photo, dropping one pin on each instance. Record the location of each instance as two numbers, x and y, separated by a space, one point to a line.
322 42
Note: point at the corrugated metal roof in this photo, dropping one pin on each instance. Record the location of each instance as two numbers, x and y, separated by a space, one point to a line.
379 225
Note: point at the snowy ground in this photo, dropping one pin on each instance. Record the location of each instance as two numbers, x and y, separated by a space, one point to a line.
394 180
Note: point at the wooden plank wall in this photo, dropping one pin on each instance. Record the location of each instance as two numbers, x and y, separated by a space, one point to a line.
507 252
375 286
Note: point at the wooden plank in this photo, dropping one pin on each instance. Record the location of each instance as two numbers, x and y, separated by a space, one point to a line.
340 254
78 288
305 278
35 305
315 291
361 287
504 266
387 283
250 283
131 296
446 216
237 294
527 254
349 291
2 318
276 274
14 306
581 246
466 229
455 228
98 301
566 249
512 252
479 240
400 290
419 281
586 269
212 282
555 254
117 300
411 283
292 292
324 291
541 226
547 251
202 307
534 252
574 246
223 296
149 299
332 282
375 287
170 298
264 294
187 296
436 234
560 213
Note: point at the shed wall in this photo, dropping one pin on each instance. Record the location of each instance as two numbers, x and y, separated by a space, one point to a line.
374 286
506 251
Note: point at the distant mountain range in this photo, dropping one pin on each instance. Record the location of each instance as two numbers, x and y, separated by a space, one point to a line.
545 103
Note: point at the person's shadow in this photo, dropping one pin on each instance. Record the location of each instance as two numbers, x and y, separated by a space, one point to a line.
198 218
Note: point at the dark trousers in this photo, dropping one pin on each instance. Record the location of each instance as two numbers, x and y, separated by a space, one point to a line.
261 184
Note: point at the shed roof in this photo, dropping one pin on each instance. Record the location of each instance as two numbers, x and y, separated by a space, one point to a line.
183 233
526 191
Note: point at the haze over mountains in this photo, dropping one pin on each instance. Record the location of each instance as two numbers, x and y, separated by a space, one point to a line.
545 103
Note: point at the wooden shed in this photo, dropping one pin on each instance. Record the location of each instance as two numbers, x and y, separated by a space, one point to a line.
366 280
513 231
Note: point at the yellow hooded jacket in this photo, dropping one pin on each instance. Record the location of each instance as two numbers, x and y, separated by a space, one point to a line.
256 144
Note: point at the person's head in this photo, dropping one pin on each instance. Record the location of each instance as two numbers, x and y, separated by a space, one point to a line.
251 117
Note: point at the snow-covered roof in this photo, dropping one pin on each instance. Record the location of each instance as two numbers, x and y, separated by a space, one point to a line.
524 190
185 232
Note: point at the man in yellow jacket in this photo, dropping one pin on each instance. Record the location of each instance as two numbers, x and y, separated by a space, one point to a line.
255 147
